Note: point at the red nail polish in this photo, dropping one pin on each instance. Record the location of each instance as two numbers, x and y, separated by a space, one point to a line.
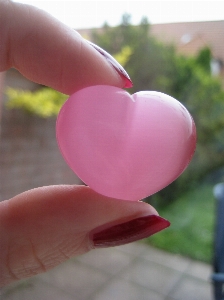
115 64
129 232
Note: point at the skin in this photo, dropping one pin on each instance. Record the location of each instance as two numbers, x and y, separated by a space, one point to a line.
43 227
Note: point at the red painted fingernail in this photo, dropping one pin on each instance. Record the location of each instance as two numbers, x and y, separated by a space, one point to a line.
115 64
128 232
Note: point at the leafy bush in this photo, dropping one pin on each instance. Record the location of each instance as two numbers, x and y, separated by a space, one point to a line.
44 102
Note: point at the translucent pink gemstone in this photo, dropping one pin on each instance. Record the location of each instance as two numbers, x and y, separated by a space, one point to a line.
123 146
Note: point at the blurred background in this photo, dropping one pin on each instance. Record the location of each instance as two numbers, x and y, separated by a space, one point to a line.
176 47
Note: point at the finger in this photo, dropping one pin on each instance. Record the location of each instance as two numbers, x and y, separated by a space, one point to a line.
50 53
45 226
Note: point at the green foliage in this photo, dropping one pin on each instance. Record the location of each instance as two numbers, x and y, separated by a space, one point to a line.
44 102
123 56
191 232
203 95
204 59
148 58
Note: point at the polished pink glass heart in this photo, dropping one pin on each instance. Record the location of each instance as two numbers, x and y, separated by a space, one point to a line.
124 146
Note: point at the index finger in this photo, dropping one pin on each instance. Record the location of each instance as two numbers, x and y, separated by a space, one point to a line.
48 52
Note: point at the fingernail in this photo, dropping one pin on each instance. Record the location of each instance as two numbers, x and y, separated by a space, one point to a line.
128 232
115 64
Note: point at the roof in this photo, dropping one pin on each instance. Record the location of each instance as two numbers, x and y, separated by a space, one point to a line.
190 37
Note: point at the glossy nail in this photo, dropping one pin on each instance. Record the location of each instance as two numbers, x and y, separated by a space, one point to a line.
115 64
128 232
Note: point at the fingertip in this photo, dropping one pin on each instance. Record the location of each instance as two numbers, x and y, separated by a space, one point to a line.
127 82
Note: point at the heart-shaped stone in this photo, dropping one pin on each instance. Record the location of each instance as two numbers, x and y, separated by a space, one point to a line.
124 146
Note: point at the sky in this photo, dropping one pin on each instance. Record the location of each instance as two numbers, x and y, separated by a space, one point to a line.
93 14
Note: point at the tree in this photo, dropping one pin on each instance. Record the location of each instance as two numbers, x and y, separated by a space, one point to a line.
148 61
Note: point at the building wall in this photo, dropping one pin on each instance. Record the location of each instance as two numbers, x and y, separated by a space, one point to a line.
29 155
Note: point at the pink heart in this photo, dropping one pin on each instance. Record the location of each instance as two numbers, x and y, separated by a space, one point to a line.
124 146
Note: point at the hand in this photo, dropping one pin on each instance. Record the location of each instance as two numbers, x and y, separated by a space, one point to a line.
43 227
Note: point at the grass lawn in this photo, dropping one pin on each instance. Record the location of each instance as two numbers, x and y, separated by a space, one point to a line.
192 219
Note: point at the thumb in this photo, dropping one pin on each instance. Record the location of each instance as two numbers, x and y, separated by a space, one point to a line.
43 227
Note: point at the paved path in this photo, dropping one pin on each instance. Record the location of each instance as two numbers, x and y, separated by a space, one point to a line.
131 272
